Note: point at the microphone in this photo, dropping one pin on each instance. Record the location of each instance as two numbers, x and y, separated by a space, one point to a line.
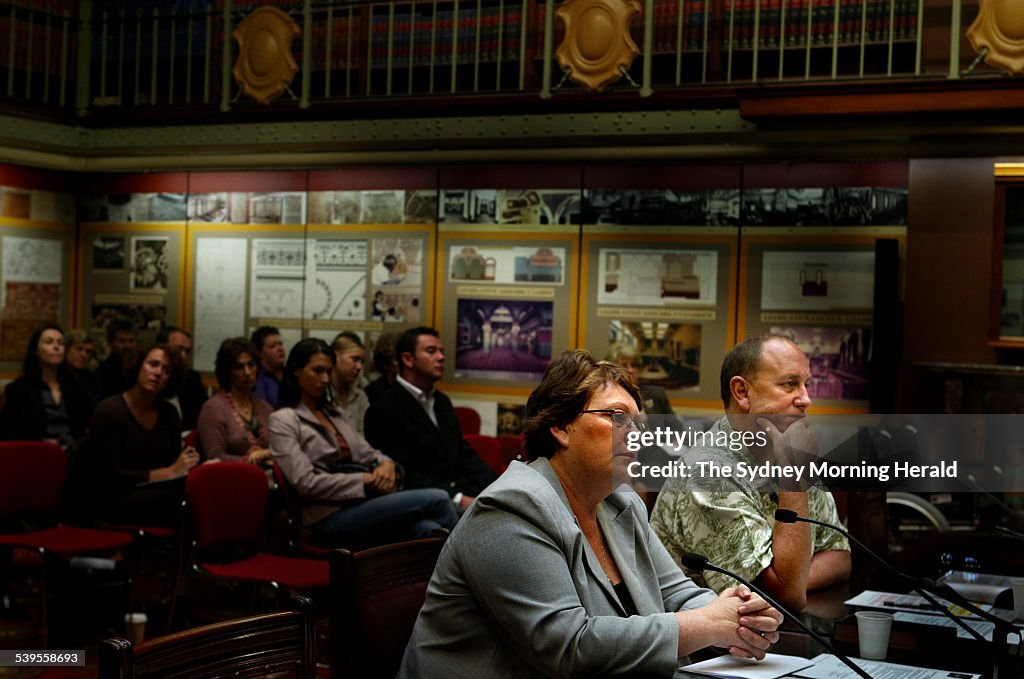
927 588
699 562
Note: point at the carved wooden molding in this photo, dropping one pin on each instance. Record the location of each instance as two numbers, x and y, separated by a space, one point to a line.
265 64
597 45
999 31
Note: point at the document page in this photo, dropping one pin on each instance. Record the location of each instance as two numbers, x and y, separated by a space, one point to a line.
828 666
774 665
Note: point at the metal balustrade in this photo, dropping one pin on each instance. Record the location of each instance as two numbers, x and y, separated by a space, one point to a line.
96 57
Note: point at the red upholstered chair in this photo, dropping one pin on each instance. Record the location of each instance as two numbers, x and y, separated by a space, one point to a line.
489 450
280 644
375 597
512 447
31 483
469 420
227 506
298 538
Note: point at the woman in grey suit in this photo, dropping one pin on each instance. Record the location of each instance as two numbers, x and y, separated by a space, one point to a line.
553 572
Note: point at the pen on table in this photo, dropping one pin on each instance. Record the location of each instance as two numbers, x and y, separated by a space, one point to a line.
895 604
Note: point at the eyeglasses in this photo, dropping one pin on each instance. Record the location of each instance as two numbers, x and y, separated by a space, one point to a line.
621 418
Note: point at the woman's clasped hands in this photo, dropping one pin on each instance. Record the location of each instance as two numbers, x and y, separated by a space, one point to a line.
738 620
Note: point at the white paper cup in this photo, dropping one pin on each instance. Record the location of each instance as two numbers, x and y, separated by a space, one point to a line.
1018 598
135 627
873 634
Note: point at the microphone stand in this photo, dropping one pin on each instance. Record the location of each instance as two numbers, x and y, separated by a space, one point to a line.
929 590
698 562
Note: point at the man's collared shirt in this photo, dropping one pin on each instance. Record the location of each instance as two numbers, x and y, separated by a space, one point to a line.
424 399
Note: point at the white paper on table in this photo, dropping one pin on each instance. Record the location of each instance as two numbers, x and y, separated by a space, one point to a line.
827 666
906 602
774 665
982 626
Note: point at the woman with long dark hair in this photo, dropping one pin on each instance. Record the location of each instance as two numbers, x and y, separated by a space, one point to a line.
45 403
350 490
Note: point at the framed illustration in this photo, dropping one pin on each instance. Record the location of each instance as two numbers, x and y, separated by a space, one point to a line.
664 292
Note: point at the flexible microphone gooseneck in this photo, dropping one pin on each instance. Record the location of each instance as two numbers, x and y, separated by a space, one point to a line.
698 562
928 589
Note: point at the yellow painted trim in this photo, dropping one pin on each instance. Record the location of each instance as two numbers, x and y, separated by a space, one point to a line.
19 223
242 230
119 227
454 388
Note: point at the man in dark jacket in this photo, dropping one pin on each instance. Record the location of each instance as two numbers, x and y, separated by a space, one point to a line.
415 424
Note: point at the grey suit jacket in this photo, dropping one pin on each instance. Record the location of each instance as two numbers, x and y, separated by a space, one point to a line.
518 592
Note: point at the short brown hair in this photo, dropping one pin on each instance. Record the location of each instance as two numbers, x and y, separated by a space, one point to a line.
744 360
569 382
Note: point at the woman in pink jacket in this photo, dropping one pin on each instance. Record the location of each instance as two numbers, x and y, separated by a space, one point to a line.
351 492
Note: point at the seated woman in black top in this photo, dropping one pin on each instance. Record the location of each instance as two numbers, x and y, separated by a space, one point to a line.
44 404
135 440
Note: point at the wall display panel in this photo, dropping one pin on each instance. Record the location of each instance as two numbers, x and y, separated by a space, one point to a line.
35 263
511 206
507 301
832 206
131 269
667 291
368 278
816 286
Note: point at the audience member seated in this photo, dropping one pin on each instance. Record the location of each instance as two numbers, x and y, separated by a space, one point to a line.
233 424
386 365
351 491
45 403
416 424
134 441
348 371
120 340
271 354
192 393
554 571
78 357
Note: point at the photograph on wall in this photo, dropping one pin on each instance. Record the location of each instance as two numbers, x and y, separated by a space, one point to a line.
392 305
661 207
1011 313
511 417
397 261
277 208
837 206
506 264
490 206
503 339
108 253
817 281
839 358
144 316
133 207
335 287
209 207
381 207
334 207
278 272
657 277
149 264
668 354
420 207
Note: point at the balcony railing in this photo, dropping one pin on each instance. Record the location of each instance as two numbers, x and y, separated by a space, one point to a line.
94 57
